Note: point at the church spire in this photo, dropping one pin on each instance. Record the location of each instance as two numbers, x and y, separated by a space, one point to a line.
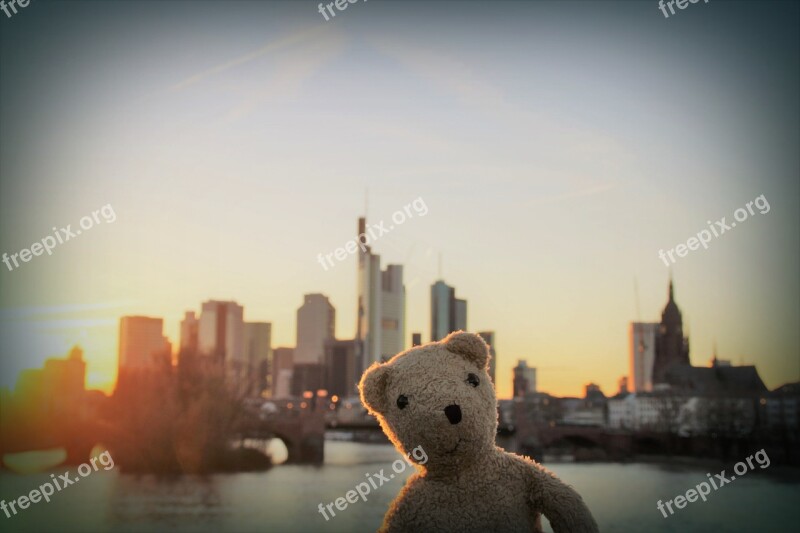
672 347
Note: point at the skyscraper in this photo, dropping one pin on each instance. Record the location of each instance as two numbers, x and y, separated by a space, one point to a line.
459 315
393 312
307 377
281 372
448 313
221 331
341 374
642 355
141 342
488 337
367 330
441 302
258 354
189 332
380 326
316 322
672 348
524 379
257 341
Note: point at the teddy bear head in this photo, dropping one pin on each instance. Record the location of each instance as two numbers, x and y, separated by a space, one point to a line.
438 397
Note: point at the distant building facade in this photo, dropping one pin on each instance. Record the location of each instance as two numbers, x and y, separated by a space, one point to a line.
281 372
221 331
341 370
190 327
524 382
634 412
642 355
587 411
142 342
489 338
258 354
719 399
393 312
307 377
781 408
316 323
448 313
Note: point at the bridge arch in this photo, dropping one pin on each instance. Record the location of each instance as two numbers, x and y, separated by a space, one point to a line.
303 436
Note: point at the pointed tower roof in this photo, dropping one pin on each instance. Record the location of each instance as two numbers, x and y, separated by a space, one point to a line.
671 314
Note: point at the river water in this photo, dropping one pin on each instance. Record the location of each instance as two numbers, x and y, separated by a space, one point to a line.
622 498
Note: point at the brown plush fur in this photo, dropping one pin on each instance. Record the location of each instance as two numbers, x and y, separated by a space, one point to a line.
467 483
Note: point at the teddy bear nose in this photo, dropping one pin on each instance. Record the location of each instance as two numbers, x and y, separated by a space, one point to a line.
453 413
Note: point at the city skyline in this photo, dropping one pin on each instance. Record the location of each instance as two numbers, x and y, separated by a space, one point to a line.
156 324
554 165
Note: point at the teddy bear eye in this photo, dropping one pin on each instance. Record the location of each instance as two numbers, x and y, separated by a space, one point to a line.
473 380
402 401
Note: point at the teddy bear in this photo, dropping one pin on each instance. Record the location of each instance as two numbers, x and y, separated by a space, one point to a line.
439 397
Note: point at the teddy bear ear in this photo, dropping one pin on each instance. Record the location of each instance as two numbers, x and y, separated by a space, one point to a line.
373 388
472 347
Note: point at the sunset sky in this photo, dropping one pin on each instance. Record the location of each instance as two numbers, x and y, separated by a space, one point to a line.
557 146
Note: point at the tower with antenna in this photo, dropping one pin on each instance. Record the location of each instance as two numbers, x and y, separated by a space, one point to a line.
380 315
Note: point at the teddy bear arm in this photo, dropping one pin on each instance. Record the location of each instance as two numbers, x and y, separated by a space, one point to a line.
560 504
404 509
397 520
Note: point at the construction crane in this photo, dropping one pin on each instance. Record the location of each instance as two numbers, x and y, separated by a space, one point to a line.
641 347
